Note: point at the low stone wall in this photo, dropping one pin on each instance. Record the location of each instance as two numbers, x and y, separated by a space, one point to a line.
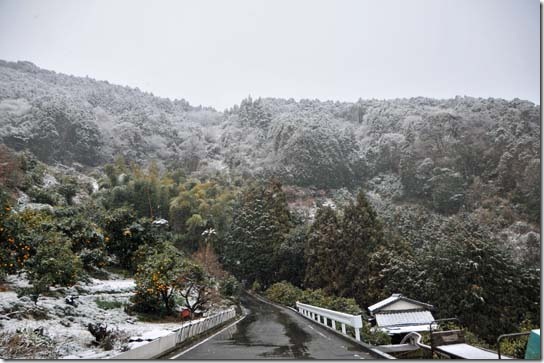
168 342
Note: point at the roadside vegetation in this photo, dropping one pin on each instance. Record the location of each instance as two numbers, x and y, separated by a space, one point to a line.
175 235
168 250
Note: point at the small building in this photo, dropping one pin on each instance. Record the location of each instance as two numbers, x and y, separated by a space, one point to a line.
400 315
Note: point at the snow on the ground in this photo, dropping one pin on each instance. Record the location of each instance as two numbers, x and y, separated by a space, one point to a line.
101 286
154 334
49 181
67 324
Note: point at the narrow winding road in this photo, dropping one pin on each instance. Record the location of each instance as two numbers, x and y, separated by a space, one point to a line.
269 332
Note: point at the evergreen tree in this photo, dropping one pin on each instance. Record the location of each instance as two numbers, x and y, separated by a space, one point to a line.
320 253
473 279
276 203
387 268
259 227
467 276
252 113
290 256
361 234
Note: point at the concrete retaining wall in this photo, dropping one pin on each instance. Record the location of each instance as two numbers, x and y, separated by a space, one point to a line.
168 342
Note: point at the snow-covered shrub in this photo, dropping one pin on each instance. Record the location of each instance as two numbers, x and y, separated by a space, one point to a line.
43 196
27 344
34 291
106 338
68 189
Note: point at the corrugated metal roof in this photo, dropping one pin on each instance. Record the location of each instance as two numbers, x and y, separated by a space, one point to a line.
396 297
403 329
404 318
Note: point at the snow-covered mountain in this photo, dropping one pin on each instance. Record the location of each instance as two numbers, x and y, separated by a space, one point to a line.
416 156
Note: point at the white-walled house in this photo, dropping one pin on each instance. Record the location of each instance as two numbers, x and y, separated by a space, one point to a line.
399 315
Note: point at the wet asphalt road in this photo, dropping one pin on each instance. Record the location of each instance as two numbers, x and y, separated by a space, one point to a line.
269 332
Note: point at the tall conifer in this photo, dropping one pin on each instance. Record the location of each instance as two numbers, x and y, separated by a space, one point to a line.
361 234
320 252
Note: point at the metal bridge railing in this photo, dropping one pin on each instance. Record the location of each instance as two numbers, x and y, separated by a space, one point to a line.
323 316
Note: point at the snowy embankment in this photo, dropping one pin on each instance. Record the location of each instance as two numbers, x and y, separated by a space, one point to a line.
60 327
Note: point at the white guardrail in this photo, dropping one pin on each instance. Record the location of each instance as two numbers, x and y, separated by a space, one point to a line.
323 316
165 343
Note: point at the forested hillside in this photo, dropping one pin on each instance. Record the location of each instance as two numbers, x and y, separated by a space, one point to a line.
462 155
438 199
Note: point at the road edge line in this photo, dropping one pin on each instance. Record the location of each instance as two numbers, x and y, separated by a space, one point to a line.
208 338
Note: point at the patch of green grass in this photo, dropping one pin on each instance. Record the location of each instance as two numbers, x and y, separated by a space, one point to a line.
108 304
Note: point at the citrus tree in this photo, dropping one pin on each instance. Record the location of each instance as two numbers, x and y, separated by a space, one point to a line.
157 280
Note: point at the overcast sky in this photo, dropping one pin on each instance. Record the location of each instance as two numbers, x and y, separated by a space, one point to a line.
216 52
